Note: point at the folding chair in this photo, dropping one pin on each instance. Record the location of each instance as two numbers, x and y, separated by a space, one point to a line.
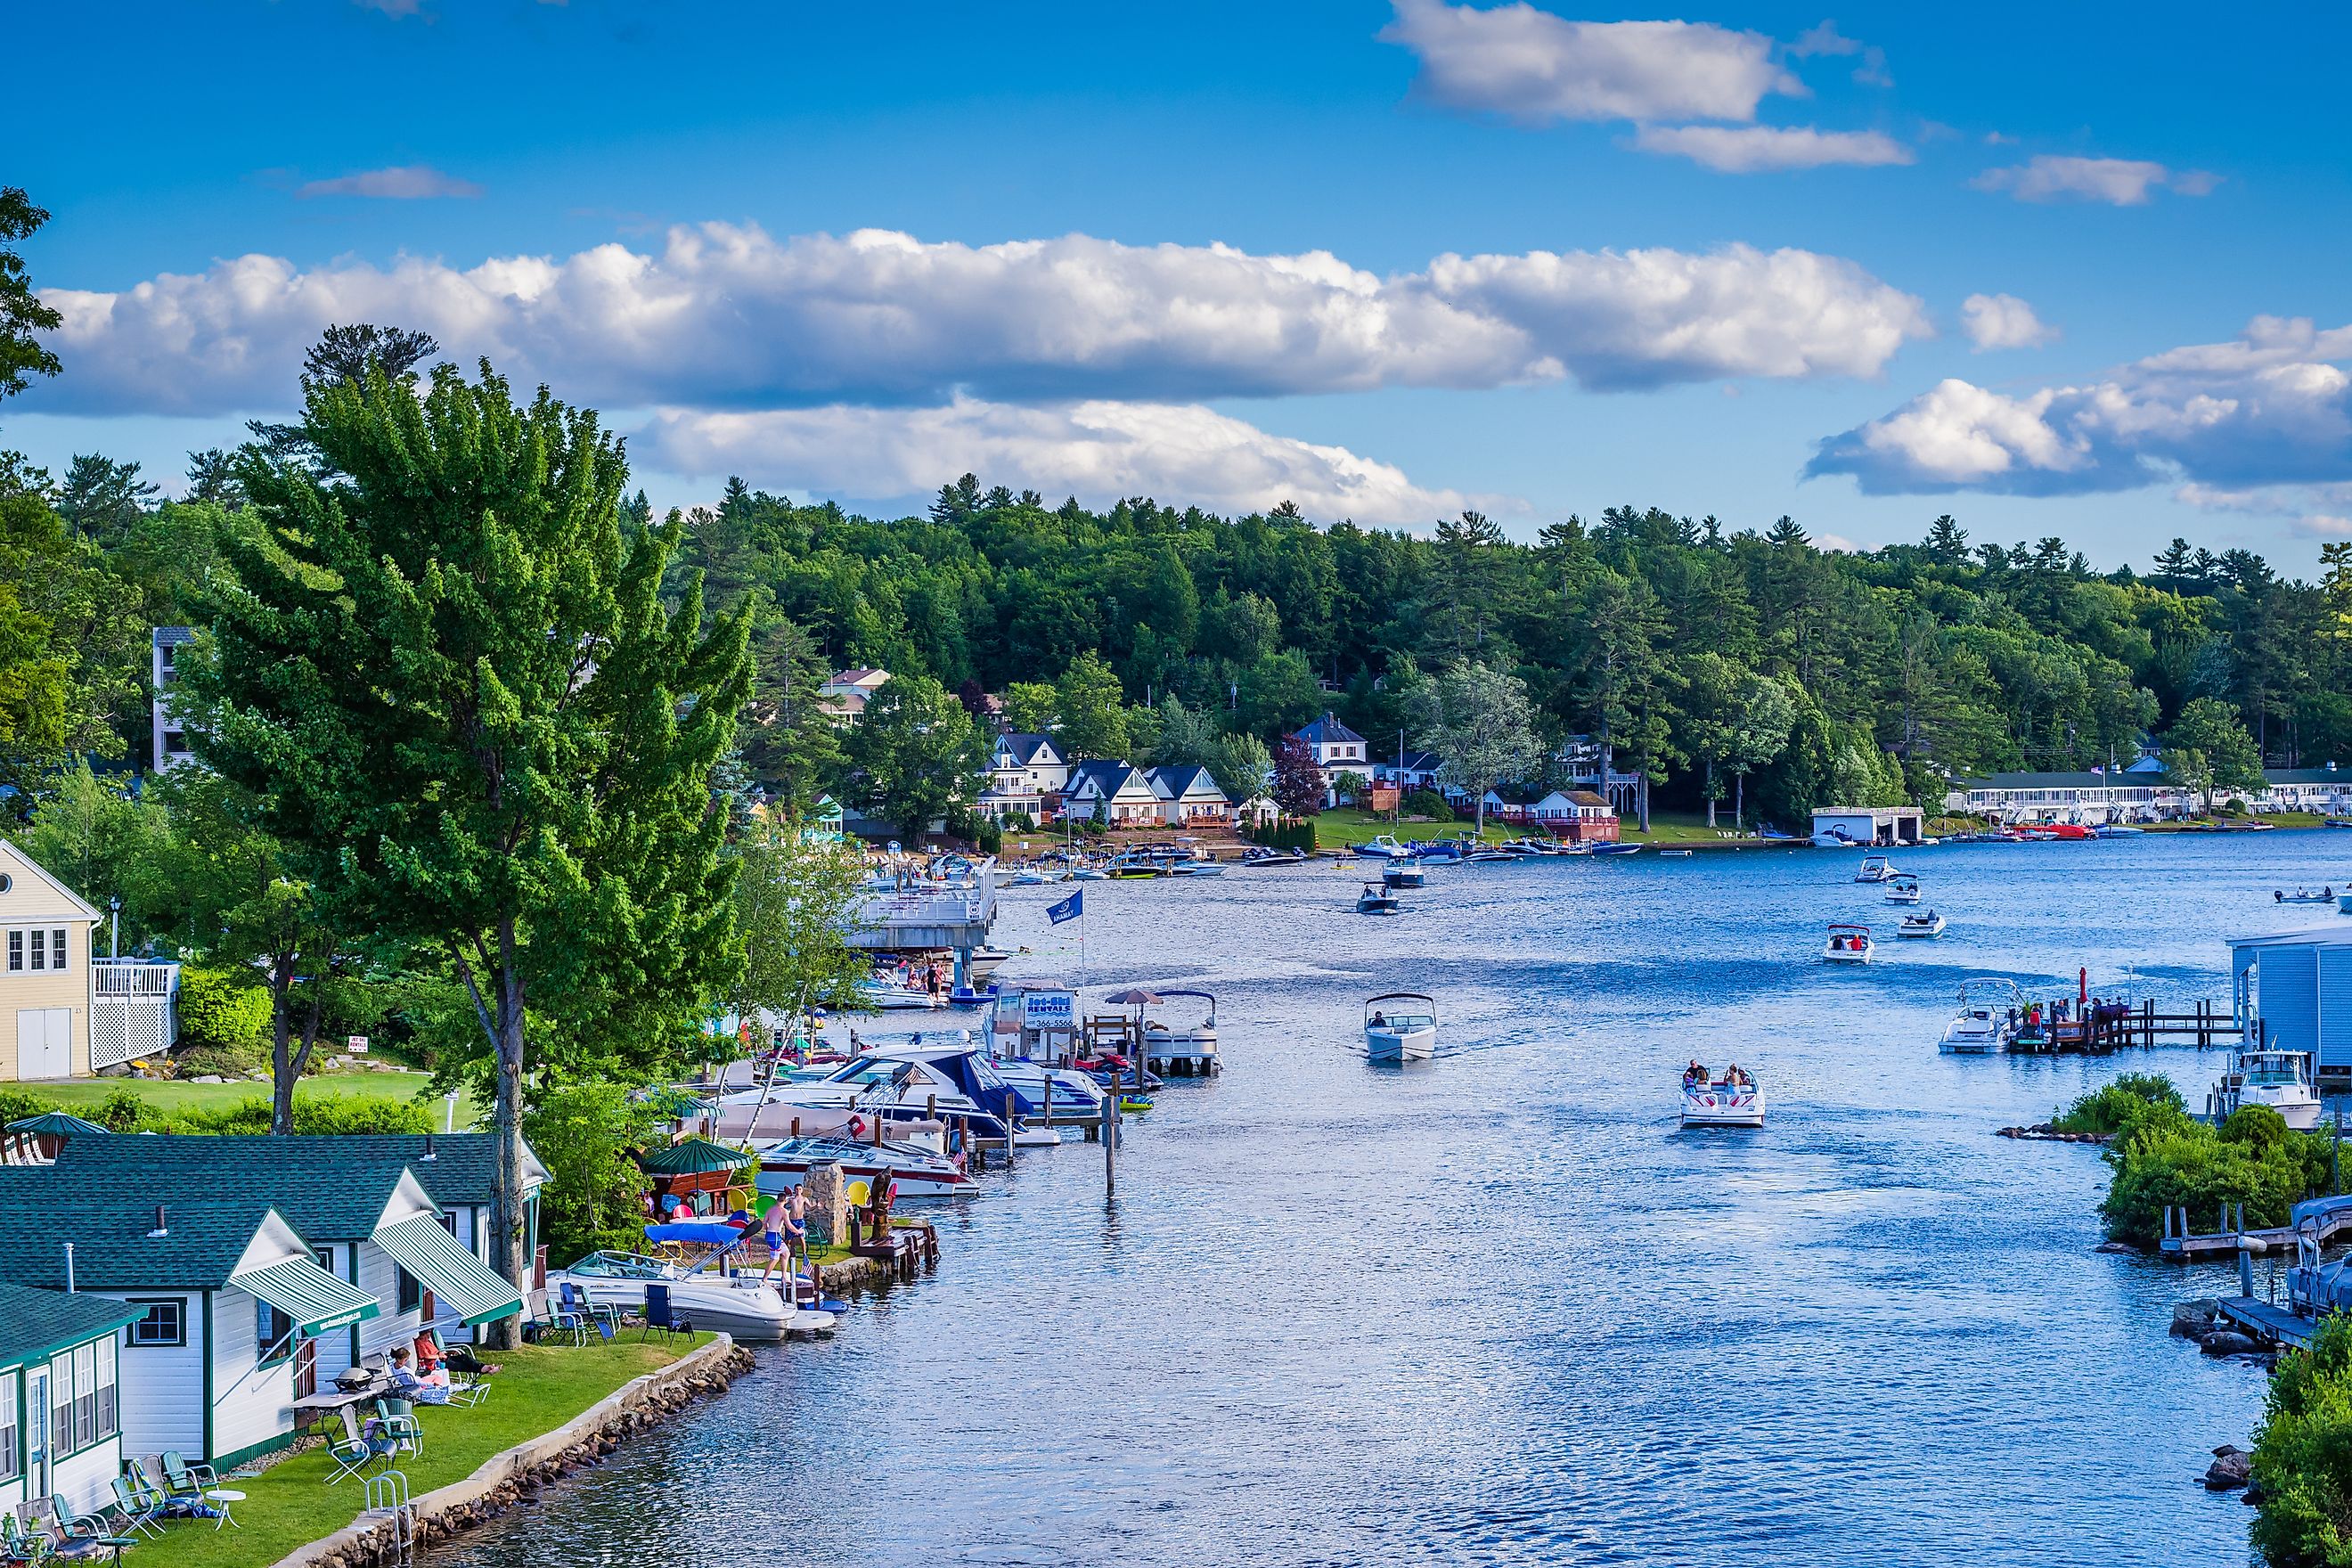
351 1452
137 1505
400 1423
658 1315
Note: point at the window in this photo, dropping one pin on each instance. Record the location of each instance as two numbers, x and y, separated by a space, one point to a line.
175 743
166 1323
58 948
15 951
273 1334
12 1458
85 1427
61 1406
412 1294
104 1350
40 950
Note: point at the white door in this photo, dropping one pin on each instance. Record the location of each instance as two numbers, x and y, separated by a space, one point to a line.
45 1042
37 1432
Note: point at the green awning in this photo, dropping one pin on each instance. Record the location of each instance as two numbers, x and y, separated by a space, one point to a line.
314 1298
695 1157
422 1245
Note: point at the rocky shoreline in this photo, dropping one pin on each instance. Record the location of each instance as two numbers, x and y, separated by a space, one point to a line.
2042 1132
517 1475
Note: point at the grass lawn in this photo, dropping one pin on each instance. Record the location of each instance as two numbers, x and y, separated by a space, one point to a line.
1346 826
173 1094
290 1504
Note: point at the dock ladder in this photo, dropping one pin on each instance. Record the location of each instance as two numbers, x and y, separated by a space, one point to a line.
387 1496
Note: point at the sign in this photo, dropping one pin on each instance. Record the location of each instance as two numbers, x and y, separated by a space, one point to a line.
1049 1010
1069 908
357 1045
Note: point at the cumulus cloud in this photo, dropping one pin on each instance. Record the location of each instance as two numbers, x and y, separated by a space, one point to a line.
2118 182
2004 321
1534 66
2270 407
1099 451
404 182
724 316
1750 149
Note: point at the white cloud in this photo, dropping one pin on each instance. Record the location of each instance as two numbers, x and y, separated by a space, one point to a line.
2118 182
405 182
2269 408
1098 451
2004 321
1825 39
727 317
2321 525
1748 149
2298 503
1534 67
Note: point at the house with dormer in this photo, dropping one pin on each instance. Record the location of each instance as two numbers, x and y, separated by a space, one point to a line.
844 697
1116 793
1337 750
45 954
1026 773
1189 797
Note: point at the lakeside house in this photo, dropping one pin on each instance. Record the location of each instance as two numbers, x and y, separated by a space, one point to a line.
2288 991
1576 762
224 1288
1117 793
1411 772
2322 790
844 697
170 737
1337 750
1027 773
65 1012
1189 797
1578 815
2090 798
60 1396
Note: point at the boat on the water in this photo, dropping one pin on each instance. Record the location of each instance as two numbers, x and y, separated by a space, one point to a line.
1196 1044
893 998
1920 924
2304 896
1407 1033
1848 944
1616 849
701 1287
2119 830
1875 869
1981 1026
1674 854
2280 1080
1902 888
1403 874
1376 899
895 1084
1259 855
1197 869
1732 1101
1384 848
919 1172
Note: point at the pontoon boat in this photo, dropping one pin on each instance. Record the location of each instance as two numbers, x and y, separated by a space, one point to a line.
1401 1034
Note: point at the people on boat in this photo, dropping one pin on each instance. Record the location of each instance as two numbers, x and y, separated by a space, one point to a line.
1380 1020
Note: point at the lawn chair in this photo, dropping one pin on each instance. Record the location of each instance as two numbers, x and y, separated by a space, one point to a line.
136 1507
354 1450
185 1484
399 1425
588 1309
69 1537
660 1317
548 1321
20 1542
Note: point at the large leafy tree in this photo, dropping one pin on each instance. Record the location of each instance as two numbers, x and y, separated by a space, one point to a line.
793 903
1483 728
22 315
454 686
1090 708
915 752
2208 749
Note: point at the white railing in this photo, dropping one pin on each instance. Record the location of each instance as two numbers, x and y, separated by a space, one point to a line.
130 1010
133 977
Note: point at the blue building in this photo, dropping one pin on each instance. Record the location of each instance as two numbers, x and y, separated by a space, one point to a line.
2292 990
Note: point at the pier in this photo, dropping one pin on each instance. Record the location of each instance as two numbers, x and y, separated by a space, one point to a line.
2108 1026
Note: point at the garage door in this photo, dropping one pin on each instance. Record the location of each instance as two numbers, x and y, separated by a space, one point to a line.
45 1042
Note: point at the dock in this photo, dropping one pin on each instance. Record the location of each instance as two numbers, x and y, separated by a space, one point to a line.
2116 1025
2264 1321
2179 1242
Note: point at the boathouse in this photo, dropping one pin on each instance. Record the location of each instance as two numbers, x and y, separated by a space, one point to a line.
1889 826
2292 990
60 1396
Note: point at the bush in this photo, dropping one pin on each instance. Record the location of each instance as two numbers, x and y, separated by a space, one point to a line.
223 1023
1427 803
2116 1105
15 1104
585 1133
2303 1453
1286 835
2166 1161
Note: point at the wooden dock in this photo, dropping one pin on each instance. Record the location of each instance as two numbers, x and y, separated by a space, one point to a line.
2265 1321
2181 1243
2107 1025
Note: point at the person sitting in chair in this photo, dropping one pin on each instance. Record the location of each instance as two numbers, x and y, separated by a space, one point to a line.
410 1387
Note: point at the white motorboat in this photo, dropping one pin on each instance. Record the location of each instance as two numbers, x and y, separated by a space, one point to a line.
893 1084
918 1172
2280 1080
1197 869
983 962
1982 1026
1403 1034
1875 869
2304 896
1376 899
1403 874
700 1290
1902 888
1847 945
1732 1101
892 998
1385 847
1922 923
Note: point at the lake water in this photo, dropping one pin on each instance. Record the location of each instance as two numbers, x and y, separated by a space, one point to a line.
1498 1309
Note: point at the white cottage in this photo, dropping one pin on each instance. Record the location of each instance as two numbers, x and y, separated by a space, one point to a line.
1189 797
1117 793
60 1396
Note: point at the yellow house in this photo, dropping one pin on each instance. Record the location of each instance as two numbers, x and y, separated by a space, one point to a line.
45 932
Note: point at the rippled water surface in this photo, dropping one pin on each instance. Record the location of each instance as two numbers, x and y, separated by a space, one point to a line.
1498 1309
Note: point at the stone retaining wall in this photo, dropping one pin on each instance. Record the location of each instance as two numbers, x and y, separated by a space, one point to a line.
505 1479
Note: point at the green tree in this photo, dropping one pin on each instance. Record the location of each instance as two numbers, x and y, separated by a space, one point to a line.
793 899
455 689
585 1133
2208 749
22 315
1716 694
1029 706
915 753
1279 693
1757 736
1480 724
103 500
1090 709
789 743
92 834
1241 765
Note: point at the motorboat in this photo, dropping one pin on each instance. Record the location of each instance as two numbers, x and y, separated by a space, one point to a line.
890 998
1403 1034
1033 877
1042 1090
2280 1080
1982 1026
1197 869
1453 848
1920 924
1732 1101
1129 867
1674 854
1487 855
1847 945
1533 847
894 1084
1403 874
982 962
1384 848
919 1172
1616 849
703 1287
2304 896
1089 874
1259 855
1875 869
1376 899
2119 830
1902 888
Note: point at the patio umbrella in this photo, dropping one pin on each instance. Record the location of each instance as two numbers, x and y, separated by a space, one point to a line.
694 1157
1137 997
55 1124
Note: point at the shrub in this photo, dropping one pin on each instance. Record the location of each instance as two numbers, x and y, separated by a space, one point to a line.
2303 1453
1427 803
223 1023
1286 835
123 1111
2166 1161
15 1104
2118 1103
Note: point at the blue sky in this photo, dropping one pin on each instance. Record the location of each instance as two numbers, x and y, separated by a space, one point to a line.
1092 288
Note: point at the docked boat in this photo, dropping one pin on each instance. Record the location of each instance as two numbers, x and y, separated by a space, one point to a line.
1732 1101
1089 874
1982 1026
1875 869
1031 879
1403 874
1616 849
1847 945
1674 854
898 1083
701 1287
1457 847
1197 869
1195 1045
2280 1080
2119 830
1384 848
1376 899
892 998
1259 855
1920 924
1401 1034
919 1172
982 962
1902 888
1531 848
1042 1090
1487 855
1131 867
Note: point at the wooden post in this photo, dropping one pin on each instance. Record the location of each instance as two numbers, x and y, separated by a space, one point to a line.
1110 1141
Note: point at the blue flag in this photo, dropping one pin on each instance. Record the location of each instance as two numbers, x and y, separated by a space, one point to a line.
1069 908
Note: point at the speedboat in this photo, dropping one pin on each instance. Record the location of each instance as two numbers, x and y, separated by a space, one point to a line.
1926 922
894 1084
2304 896
920 1172
1487 855
1982 1026
1403 874
982 962
1732 1101
2280 1080
1259 855
1042 1090
1455 848
1089 874
1032 878
1616 849
701 1289
891 998
1406 1033
1376 899
2119 830
1129 867
1384 848
1875 869
1902 888
1197 869
1847 945
1533 847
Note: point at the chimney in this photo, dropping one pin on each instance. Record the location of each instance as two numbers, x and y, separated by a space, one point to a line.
428 1153
161 1229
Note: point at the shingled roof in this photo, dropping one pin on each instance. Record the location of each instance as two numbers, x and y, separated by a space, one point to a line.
329 1188
37 1324
42 1207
